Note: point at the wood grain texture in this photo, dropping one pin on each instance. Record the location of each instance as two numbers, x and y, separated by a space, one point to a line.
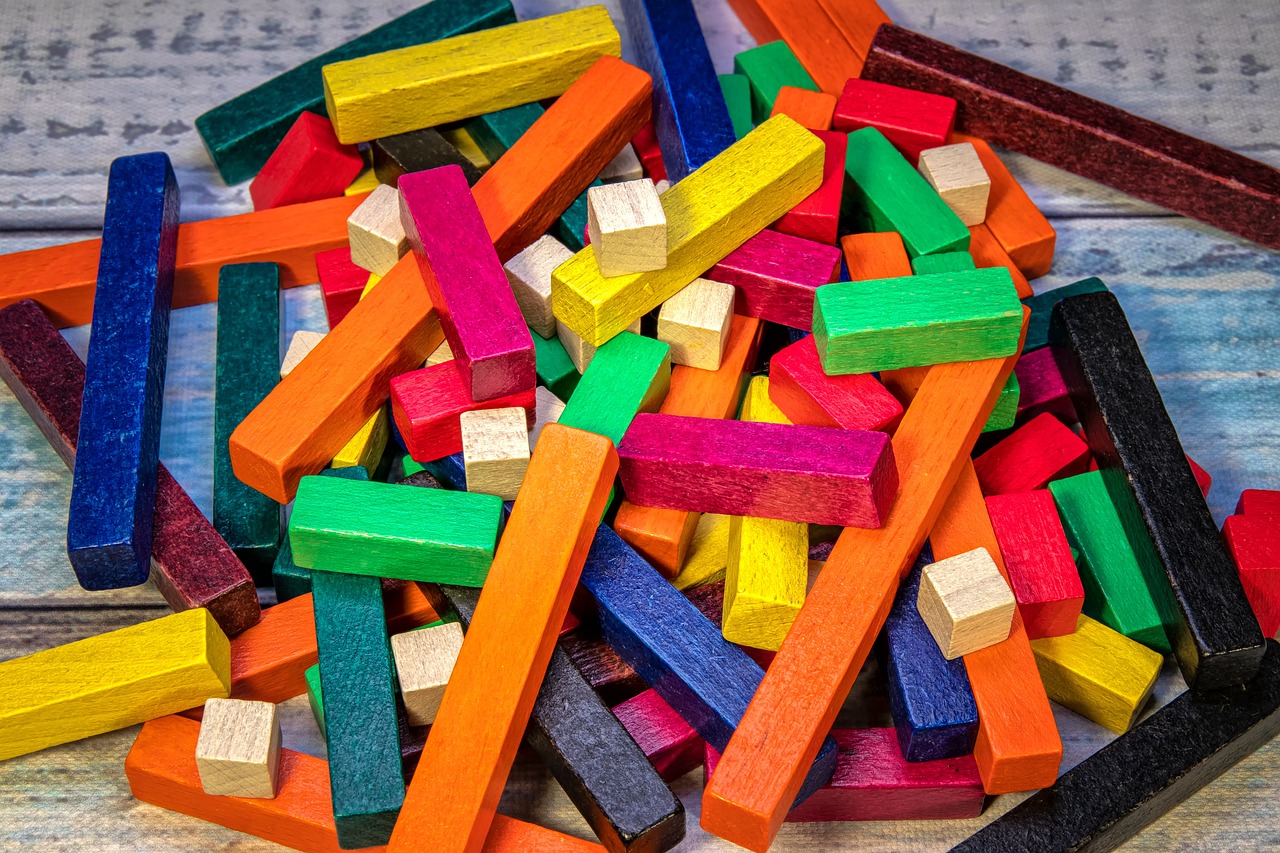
375 232
416 151
300 346
1042 390
625 166
956 172
628 228
807 395
366 446
495 450
695 323
428 404
424 661
341 281
765 580
810 109
708 556
987 251
768 68
629 374
775 276
817 217
579 351
1041 450
942 262
670 743
529 274
912 120
238 752
309 164
1041 306
1254 546
966 603
289 579
1042 573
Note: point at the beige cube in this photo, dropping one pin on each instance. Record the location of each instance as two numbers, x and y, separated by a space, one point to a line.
424 661
300 345
625 167
547 410
238 752
495 450
375 232
439 355
530 276
580 352
695 323
958 175
966 603
628 228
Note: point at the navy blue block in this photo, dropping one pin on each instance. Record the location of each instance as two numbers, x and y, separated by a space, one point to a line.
929 696
690 117
450 471
113 493
662 636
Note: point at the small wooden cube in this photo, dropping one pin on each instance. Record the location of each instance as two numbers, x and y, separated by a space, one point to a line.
695 323
628 228
580 352
375 232
530 275
238 751
495 450
966 603
302 343
547 410
424 661
439 355
625 167
959 177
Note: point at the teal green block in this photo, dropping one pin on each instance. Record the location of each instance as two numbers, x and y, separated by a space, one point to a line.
942 262
290 579
554 367
628 374
737 97
1006 410
768 68
1041 306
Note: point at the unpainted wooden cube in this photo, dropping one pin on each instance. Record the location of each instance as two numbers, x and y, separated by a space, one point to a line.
530 275
424 661
966 603
300 345
580 352
495 450
375 231
238 751
628 228
625 167
439 355
547 410
957 173
695 323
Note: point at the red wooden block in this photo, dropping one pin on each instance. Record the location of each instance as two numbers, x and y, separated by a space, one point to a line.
670 743
807 395
1043 576
309 164
818 216
1254 543
775 276
1042 388
1040 450
1257 501
428 404
1203 478
911 120
341 282
646 145
874 782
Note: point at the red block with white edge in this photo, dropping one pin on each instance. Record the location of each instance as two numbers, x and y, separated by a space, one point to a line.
1043 576
1040 450
807 395
428 404
309 164
1259 502
341 282
1254 543
913 121
818 216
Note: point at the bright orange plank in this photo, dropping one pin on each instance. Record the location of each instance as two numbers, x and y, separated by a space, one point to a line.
857 21
875 256
987 252
455 791
811 109
804 25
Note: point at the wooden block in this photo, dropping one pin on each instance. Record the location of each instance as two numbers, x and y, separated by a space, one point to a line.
645 142
628 228
1254 545
238 751
862 327
110 521
708 556
807 395
629 374
768 68
417 151
375 232
956 172
248 352
555 368
309 164
912 120
366 182
370 528
547 410
1041 306
1042 390
300 346
873 256
439 355
1195 585
290 579
428 405
885 193
775 275
818 216
424 662
1258 502
1087 137
624 167
943 262
366 446
695 323
1041 571
966 603
111 681
816 29
736 89
1005 414
670 743
811 109
495 448
709 214
765 580
986 251
315 697
1040 450
1203 478
192 565
529 274
580 352
341 283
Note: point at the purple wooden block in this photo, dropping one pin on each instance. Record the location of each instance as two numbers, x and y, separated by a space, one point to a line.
478 311
798 473
776 276
1042 388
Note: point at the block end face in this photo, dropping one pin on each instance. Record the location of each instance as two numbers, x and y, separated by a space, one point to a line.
111 566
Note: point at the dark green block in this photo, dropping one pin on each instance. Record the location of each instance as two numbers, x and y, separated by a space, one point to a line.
768 68
571 227
241 133
737 97
1041 306
290 579
628 374
554 367
247 368
1006 410
942 262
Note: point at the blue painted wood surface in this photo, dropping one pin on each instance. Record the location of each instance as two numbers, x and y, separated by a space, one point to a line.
113 493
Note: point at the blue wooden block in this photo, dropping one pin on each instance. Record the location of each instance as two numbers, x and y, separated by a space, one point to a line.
662 636
449 470
690 117
290 579
929 696
113 492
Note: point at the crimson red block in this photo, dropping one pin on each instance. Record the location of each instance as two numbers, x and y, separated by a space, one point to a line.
645 144
670 743
913 121
1254 544
1257 501
807 395
1041 387
776 275
1040 450
309 164
341 282
818 216
427 405
1042 574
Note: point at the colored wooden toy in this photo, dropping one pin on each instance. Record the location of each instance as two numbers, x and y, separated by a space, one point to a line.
645 142
875 255
1005 414
309 164
424 661
818 216
811 109
956 172
768 68
736 89
1041 306
111 681
775 275
366 182
1040 450
1042 390
110 521
629 374
628 228
462 140
600 665
623 167
554 367
300 346
966 603
341 282
1195 585
428 406
192 565
670 743
1038 560
547 410
417 151
1254 544
695 323
1259 502
579 351
912 120
238 752
529 274
439 355
376 233
986 251
807 395
826 48
366 446
943 262
707 559
495 449
289 579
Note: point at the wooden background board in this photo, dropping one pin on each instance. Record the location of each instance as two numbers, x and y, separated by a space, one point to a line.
84 84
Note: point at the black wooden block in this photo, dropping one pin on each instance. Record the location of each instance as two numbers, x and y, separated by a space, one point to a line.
415 151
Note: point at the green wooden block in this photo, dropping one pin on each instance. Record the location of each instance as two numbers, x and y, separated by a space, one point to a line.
885 193
942 262
554 367
1006 410
315 697
410 466
290 579
1115 590
629 374
768 68
868 326
1041 306
388 531
737 97
247 367
360 714
241 133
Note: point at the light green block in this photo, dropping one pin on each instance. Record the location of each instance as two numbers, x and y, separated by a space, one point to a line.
768 68
629 374
942 262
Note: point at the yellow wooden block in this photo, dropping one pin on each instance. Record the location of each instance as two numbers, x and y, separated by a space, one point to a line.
467 75
111 681
709 214
374 231
495 450
1099 673
238 751
365 182
756 405
300 346
580 352
366 446
708 553
374 278
695 323
966 603
467 147
424 661
628 228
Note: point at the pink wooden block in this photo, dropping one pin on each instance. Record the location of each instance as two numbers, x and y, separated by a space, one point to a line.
1042 388
1043 576
775 277
309 164
427 405
1257 501
482 322
670 743
818 216
1040 450
341 282
913 121
807 395
797 473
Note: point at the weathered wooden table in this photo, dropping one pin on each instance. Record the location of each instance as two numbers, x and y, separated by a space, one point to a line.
81 84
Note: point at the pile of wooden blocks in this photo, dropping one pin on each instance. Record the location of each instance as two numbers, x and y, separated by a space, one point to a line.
641 416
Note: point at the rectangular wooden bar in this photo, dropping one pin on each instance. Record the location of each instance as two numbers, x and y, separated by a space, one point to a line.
669 743
817 217
1041 306
806 27
807 395
290 579
776 275
1041 571
427 405
629 374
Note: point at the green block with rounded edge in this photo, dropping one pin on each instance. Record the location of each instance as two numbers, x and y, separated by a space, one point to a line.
768 68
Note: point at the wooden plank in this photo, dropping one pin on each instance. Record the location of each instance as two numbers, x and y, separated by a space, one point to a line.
768 68
987 251
529 274
707 558
1040 450
807 395
668 742
495 450
808 29
1258 502
1036 554
554 367
341 279
1041 388
737 97
811 109
289 579
775 276
427 405
956 172
629 374
309 164
912 120
695 323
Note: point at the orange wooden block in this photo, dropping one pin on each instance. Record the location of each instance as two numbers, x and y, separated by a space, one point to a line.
808 26
986 251
875 256
455 791
662 536
811 109
857 21
62 278
161 768
796 704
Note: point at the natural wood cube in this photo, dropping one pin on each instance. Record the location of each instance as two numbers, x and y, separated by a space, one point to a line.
966 603
547 410
956 172
628 228
580 352
530 275
625 167
695 323
439 355
495 450
375 232
238 751
302 343
424 661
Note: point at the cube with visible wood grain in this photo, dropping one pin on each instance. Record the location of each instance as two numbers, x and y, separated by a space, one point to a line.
530 275
966 603
957 173
628 228
238 751
695 323
375 232
495 450
300 346
424 662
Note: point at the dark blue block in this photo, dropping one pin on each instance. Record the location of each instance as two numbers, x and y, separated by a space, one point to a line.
450 471
929 696
690 117
113 494
662 636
